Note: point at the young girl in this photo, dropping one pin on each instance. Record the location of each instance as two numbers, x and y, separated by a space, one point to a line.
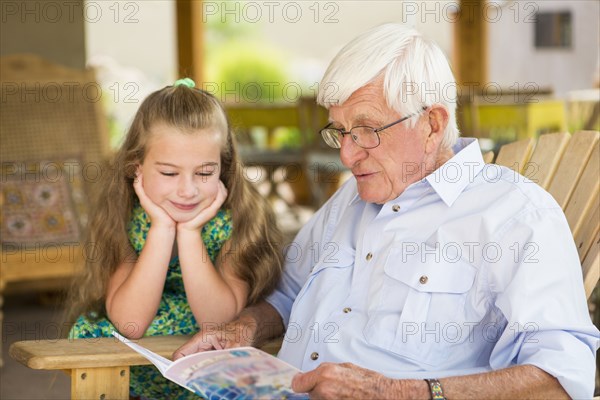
181 240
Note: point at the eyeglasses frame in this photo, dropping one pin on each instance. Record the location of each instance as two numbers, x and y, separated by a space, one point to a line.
375 130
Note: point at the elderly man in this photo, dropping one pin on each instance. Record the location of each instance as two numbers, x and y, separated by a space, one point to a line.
428 274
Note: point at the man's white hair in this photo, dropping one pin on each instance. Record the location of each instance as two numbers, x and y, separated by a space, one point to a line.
415 73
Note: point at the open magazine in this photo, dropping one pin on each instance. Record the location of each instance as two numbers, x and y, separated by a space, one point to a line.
238 373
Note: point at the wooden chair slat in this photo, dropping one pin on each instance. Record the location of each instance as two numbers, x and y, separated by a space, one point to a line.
515 155
591 267
585 195
488 157
572 165
546 158
588 232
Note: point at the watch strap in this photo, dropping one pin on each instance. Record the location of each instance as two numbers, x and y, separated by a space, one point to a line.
435 387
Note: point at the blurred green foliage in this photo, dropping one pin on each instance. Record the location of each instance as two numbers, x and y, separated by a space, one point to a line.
241 66
247 71
240 63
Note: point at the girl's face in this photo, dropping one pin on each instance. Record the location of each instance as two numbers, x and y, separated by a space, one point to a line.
181 170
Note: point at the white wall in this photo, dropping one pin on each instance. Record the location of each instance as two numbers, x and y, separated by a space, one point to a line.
139 34
514 59
132 45
324 27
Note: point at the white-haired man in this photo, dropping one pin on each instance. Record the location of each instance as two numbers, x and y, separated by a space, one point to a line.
428 274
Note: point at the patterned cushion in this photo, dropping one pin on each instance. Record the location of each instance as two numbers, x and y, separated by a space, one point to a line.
43 202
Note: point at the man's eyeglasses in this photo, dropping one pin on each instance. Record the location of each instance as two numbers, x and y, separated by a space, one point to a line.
364 136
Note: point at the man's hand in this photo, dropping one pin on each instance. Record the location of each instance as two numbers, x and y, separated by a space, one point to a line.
238 333
348 381
241 332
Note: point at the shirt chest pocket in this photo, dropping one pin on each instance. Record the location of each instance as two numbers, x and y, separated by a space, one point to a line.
327 284
420 310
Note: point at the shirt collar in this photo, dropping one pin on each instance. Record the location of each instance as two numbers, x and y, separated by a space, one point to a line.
355 199
451 179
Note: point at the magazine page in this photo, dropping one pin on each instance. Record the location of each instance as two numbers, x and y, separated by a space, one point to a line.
159 361
239 373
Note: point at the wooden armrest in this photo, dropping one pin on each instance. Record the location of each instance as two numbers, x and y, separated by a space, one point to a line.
101 352
272 347
99 368
90 353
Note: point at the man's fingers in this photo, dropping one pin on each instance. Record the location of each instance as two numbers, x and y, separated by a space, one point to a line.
178 354
199 342
304 382
194 345
215 342
188 348
212 339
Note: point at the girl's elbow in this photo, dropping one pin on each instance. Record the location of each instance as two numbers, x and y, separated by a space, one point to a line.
128 327
133 334
131 330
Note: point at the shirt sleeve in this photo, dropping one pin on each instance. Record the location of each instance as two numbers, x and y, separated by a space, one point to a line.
538 287
299 256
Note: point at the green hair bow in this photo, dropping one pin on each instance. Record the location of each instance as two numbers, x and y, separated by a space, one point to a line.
185 82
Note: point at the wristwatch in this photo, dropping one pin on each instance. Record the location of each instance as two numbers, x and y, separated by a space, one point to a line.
435 387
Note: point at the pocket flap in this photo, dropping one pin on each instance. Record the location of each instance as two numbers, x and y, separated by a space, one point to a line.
334 256
422 273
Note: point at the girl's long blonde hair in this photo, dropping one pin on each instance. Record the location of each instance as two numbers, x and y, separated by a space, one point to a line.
255 240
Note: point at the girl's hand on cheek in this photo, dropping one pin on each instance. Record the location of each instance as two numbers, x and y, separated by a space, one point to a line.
207 213
158 216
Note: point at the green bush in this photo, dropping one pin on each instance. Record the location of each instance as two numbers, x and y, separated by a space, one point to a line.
247 71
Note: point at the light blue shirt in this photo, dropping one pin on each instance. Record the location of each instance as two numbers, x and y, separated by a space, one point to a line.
472 269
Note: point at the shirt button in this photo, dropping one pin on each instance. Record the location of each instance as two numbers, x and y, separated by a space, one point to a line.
314 356
395 208
369 256
423 280
347 310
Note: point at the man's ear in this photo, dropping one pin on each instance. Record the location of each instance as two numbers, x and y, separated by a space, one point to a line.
438 120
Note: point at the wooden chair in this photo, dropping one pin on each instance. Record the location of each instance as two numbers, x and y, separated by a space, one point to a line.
567 166
51 116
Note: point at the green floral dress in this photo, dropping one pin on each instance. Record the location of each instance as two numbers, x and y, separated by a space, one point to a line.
174 316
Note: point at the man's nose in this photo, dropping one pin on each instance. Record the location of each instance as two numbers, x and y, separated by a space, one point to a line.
350 152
